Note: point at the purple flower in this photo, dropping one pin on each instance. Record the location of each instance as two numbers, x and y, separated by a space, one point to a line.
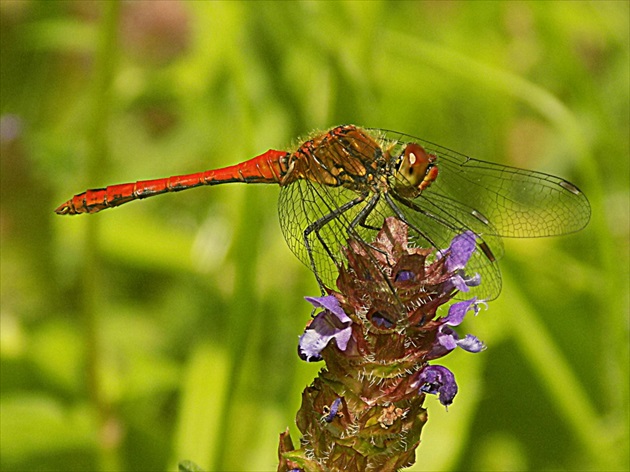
437 380
332 323
457 311
329 303
462 283
404 276
331 412
447 339
457 256
460 251
381 321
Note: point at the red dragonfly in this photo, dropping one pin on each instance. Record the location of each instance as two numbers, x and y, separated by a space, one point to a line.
346 181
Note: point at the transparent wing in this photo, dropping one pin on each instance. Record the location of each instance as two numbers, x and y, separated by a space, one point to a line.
430 225
434 222
517 203
491 200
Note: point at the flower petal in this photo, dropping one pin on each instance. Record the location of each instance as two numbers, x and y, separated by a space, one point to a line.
331 304
404 276
326 325
471 344
459 282
457 311
332 410
311 345
460 251
447 338
437 380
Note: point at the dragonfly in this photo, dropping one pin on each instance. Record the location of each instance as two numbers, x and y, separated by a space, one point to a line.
344 182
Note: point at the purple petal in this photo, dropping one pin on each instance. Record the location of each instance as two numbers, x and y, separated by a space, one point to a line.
380 321
327 325
473 281
457 311
342 338
331 304
460 251
471 344
310 346
404 276
437 380
459 283
334 408
447 338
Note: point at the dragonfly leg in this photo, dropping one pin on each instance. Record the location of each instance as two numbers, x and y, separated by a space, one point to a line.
362 216
317 225
402 217
360 220
364 213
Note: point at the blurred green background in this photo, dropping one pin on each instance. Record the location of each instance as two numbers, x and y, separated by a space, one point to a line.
166 330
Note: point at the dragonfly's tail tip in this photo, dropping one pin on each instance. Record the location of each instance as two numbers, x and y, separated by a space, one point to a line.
65 209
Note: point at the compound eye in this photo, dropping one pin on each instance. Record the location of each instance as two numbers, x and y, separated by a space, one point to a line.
414 164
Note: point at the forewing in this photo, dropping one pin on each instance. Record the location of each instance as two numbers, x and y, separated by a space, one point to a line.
516 202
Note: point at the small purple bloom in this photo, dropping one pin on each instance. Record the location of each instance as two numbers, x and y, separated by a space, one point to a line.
460 251
380 321
331 412
329 303
462 283
449 339
457 311
456 257
471 344
332 323
405 276
437 380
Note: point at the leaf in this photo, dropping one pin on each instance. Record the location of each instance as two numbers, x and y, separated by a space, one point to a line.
189 466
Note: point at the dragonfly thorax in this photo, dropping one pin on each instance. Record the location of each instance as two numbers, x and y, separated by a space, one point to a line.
345 157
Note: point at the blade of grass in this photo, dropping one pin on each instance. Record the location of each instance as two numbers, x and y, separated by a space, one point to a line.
98 152
561 382
245 256
203 394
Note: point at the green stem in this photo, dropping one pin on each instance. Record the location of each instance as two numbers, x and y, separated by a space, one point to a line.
98 151
571 400
243 321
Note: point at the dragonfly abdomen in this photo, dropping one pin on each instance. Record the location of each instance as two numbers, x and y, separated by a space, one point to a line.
269 167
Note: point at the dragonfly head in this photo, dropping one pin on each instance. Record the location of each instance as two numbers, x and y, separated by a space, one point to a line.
417 170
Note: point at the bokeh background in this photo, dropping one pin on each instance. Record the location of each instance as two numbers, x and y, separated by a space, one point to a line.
166 329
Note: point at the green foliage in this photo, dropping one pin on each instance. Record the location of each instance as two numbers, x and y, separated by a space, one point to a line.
166 330
188 466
